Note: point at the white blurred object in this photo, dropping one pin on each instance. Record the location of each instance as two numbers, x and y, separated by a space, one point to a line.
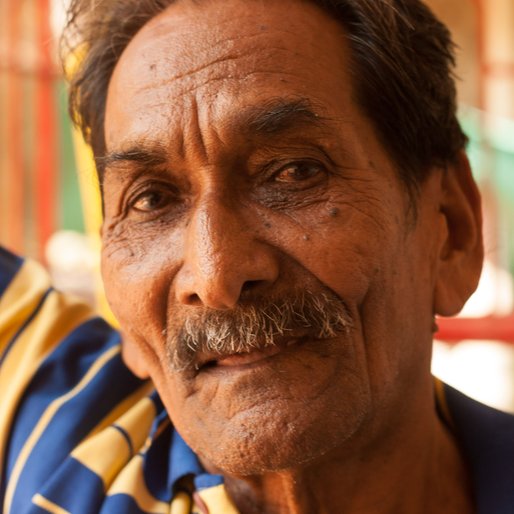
494 295
482 370
58 15
73 261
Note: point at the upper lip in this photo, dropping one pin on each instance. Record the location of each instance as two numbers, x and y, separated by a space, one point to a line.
204 358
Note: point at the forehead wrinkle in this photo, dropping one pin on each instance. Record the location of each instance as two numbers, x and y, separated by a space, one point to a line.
194 137
213 46
202 75
226 51
193 85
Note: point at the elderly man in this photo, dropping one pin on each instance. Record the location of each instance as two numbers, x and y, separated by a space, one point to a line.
287 207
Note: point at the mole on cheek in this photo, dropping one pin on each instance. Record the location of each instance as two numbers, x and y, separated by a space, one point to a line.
306 237
267 224
333 213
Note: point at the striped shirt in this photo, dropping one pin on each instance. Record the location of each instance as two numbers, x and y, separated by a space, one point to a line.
80 434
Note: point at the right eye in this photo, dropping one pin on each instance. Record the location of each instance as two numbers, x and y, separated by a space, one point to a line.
149 201
153 198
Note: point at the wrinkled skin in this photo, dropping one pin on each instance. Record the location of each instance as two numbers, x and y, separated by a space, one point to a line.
218 208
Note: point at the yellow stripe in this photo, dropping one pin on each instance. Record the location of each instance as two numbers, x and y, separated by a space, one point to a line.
46 418
181 504
57 318
49 506
20 299
106 453
121 408
217 500
131 482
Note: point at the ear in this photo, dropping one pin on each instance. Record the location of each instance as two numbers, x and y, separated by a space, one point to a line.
461 251
133 357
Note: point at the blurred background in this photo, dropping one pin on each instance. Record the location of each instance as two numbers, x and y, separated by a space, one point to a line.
49 206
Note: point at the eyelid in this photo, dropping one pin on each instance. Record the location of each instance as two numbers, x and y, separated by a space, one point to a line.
124 177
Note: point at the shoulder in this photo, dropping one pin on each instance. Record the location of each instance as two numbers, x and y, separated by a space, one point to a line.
62 380
45 334
486 436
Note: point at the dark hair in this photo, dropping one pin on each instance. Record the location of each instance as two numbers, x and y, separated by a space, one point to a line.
402 68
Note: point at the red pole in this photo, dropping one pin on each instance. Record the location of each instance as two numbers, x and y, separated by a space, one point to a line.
46 131
489 328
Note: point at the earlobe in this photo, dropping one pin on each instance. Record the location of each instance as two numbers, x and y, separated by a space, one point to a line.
461 251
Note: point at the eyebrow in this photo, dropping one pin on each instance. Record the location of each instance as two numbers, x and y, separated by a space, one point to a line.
140 155
279 115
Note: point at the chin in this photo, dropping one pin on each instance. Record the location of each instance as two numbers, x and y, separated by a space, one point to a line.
274 442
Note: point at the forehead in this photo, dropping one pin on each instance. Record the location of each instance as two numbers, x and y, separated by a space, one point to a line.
216 57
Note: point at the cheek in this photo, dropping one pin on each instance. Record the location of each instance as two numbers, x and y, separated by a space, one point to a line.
342 246
137 269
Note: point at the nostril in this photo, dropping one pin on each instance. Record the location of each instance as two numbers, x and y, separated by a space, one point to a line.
193 300
250 285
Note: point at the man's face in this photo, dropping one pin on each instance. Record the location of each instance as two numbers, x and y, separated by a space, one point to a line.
242 174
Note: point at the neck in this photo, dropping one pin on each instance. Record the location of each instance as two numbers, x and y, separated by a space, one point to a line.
417 470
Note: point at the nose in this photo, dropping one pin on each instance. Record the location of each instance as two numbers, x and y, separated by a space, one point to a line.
223 258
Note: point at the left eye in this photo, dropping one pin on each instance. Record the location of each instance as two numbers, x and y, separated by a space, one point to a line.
298 172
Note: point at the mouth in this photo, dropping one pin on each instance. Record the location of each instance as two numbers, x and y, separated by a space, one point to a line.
249 359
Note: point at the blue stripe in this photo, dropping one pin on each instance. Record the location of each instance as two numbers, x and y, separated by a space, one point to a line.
156 467
169 458
60 372
182 460
24 326
206 481
10 264
71 424
75 488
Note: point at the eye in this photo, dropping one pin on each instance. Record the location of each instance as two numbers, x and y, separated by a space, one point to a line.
299 172
150 201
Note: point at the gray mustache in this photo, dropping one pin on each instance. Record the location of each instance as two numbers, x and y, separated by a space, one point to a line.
255 326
